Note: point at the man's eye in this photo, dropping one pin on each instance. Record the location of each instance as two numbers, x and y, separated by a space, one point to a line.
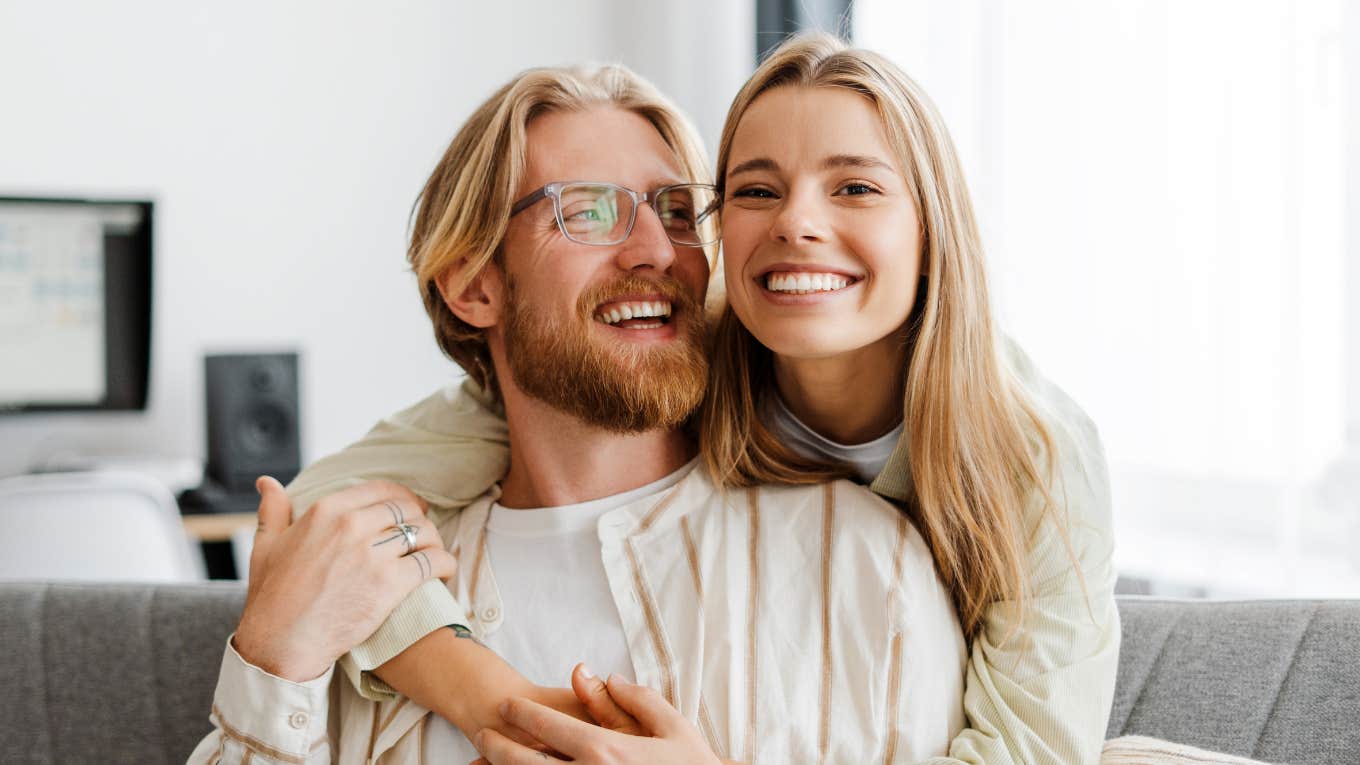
678 215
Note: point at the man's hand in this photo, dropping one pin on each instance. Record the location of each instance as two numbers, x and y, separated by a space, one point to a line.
320 586
664 736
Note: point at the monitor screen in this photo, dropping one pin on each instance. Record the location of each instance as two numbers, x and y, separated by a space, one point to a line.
75 304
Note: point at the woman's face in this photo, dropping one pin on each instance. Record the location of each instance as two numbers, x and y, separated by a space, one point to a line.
821 238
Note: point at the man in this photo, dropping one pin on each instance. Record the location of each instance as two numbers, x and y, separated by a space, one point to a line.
560 247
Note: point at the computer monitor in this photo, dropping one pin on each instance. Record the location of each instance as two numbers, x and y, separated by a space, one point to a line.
75 304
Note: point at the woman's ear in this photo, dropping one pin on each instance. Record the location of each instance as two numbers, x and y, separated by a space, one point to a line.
480 302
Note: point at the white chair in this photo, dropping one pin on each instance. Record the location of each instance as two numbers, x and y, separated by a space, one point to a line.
95 526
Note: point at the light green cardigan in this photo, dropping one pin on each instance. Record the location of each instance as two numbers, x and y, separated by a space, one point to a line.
1043 696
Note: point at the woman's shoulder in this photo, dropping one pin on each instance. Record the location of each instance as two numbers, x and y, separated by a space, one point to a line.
448 447
1080 485
459 410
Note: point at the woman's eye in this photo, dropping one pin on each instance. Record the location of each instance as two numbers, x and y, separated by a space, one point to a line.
754 193
857 189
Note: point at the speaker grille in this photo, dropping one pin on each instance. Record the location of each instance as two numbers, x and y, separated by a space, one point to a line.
252 407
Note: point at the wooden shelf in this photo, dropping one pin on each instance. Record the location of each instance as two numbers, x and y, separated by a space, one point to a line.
217 527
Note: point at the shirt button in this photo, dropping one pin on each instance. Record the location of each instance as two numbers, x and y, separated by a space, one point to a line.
298 720
490 614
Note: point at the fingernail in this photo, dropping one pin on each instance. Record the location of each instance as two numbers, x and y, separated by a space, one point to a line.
504 708
477 740
259 481
616 679
586 673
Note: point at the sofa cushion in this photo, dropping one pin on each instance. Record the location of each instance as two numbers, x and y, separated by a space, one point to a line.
110 673
1270 680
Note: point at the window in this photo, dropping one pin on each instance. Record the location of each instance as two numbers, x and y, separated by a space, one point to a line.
1162 190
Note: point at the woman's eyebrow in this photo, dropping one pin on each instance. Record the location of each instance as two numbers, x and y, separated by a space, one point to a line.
854 160
830 163
751 165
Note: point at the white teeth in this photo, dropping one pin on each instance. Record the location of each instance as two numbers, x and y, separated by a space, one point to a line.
635 310
802 282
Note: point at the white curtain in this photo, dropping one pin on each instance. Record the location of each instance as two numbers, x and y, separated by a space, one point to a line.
1162 190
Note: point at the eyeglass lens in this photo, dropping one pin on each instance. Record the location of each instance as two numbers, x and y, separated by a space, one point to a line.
603 214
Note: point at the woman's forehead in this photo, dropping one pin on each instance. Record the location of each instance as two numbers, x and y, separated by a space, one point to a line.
802 126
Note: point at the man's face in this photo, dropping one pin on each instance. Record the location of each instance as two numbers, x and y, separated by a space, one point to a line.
565 341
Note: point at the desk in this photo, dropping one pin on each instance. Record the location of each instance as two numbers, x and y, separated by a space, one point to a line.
217 527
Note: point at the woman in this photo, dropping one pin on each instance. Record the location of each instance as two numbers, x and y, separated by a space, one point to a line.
859 340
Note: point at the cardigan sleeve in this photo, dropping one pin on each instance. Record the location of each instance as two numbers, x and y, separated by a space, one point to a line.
449 449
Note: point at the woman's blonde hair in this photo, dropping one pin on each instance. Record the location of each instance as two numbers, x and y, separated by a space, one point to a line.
975 442
464 208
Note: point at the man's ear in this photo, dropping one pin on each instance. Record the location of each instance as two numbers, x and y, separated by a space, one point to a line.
480 302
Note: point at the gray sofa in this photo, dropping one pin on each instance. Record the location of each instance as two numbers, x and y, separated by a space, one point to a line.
125 673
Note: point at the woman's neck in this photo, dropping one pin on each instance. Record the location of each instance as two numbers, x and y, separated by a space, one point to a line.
850 398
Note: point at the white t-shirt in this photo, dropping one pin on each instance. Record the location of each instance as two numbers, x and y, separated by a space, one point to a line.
867 458
559 610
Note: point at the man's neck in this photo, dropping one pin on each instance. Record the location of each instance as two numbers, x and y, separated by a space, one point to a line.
556 459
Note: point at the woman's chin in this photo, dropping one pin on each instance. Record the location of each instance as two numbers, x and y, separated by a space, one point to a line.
795 344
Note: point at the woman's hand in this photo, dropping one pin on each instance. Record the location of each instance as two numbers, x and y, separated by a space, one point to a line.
320 586
661 735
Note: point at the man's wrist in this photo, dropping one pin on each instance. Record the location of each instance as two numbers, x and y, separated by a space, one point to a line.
263 654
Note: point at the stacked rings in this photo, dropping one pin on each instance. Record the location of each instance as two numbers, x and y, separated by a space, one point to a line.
406 533
409 532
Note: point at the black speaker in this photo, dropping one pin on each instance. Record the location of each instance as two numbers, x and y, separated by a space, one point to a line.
253 426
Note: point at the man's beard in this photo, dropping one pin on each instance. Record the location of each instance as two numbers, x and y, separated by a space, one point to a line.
615 386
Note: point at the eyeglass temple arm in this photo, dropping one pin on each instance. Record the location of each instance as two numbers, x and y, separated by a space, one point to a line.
707 211
529 201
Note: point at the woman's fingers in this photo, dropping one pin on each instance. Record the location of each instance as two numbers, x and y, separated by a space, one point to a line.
559 732
647 707
593 692
496 749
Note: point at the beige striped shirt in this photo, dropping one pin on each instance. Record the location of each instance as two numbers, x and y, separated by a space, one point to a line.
791 624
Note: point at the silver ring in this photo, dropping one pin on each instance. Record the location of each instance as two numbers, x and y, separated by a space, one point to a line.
409 532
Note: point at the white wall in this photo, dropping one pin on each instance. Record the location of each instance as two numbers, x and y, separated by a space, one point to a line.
284 144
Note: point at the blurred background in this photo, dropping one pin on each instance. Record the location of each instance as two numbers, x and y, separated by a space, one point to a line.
1169 193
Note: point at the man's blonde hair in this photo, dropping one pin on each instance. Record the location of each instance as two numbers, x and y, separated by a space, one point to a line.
464 208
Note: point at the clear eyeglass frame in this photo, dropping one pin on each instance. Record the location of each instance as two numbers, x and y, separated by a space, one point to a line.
703 232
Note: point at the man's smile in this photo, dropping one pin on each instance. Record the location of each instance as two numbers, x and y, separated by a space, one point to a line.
629 313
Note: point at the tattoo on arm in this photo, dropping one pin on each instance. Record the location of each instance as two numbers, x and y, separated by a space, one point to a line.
464 632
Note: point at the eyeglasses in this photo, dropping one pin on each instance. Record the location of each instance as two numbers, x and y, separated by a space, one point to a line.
604 213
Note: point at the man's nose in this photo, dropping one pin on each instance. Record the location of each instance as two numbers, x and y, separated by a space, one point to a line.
799 220
648 246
